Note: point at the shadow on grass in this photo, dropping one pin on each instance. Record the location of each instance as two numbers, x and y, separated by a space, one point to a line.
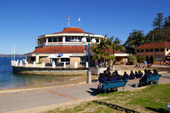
160 110
116 107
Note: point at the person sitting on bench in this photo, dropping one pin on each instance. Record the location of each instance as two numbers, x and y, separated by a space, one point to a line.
136 74
125 76
132 76
149 72
155 72
142 81
101 79
107 72
118 77
140 74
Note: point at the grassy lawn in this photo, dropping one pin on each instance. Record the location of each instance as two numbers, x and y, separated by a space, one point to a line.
152 99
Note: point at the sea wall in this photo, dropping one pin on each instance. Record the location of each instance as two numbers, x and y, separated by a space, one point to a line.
49 71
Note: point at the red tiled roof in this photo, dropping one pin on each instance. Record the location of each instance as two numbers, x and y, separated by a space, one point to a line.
168 53
65 49
71 30
59 49
153 45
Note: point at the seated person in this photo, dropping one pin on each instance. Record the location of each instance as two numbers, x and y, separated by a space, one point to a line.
140 74
125 76
112 77
155 72
102 78
107 72
142 81
118 77
149 72
136 74
132 76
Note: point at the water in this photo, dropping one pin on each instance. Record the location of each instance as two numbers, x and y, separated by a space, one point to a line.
10 80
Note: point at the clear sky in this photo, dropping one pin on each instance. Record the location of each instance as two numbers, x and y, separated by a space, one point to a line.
22 20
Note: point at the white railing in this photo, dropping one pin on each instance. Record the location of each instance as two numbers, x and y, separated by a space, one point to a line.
23 63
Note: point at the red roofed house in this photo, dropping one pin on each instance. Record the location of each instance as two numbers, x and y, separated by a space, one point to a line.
157 50
66 46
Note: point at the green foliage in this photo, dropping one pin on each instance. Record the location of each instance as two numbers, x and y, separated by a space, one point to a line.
160 33
158 21
132 59
136 38
140 59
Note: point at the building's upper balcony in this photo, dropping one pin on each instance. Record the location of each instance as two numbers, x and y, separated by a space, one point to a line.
67 36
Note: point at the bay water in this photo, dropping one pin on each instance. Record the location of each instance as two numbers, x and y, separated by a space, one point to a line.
10 80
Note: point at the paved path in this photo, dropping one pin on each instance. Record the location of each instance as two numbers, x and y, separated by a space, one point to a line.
20 100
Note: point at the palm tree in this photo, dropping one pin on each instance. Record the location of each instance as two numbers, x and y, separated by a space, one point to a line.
114 45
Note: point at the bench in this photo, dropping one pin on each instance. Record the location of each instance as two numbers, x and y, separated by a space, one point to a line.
153 78
114 84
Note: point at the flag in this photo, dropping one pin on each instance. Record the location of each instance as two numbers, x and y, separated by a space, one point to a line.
79 19
68 19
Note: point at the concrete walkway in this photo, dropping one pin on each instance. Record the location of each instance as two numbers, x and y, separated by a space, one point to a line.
41 99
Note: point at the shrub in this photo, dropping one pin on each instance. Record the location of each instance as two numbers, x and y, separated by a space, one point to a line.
132 59
140 59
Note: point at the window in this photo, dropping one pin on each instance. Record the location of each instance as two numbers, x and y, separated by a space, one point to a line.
162 49
151 50
156 49
54 39
138 50
142 50
50 39
60 39
146 50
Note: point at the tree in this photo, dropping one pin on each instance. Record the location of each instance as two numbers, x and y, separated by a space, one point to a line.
132 59
136 38
167 21
140 59
158 21
99 50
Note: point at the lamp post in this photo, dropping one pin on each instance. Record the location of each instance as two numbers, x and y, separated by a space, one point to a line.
92 41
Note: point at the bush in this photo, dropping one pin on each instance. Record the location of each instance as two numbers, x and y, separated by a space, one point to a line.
132 59
140 59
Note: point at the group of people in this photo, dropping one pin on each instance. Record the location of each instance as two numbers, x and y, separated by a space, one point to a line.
108 76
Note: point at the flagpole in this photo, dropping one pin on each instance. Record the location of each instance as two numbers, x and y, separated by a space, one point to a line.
68 21
79 22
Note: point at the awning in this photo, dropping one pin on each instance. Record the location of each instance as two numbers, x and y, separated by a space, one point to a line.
52 56
64 56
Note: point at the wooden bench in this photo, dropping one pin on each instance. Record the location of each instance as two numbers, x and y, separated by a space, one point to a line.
114 84
153 78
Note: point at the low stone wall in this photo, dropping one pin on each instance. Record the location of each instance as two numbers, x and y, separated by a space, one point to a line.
50 71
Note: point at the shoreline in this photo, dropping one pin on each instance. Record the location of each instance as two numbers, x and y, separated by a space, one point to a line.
78 81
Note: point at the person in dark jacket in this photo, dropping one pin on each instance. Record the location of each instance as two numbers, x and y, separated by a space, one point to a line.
125 76
140 74
102 78
118 77
155 72
149 72
107 72
142 81
132 76
136 74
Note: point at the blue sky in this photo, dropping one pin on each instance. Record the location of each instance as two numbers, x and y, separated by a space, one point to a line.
22 20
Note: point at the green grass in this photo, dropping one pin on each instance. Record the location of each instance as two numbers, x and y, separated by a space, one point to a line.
154 99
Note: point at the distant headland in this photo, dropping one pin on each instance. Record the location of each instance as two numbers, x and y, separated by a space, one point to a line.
9 55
